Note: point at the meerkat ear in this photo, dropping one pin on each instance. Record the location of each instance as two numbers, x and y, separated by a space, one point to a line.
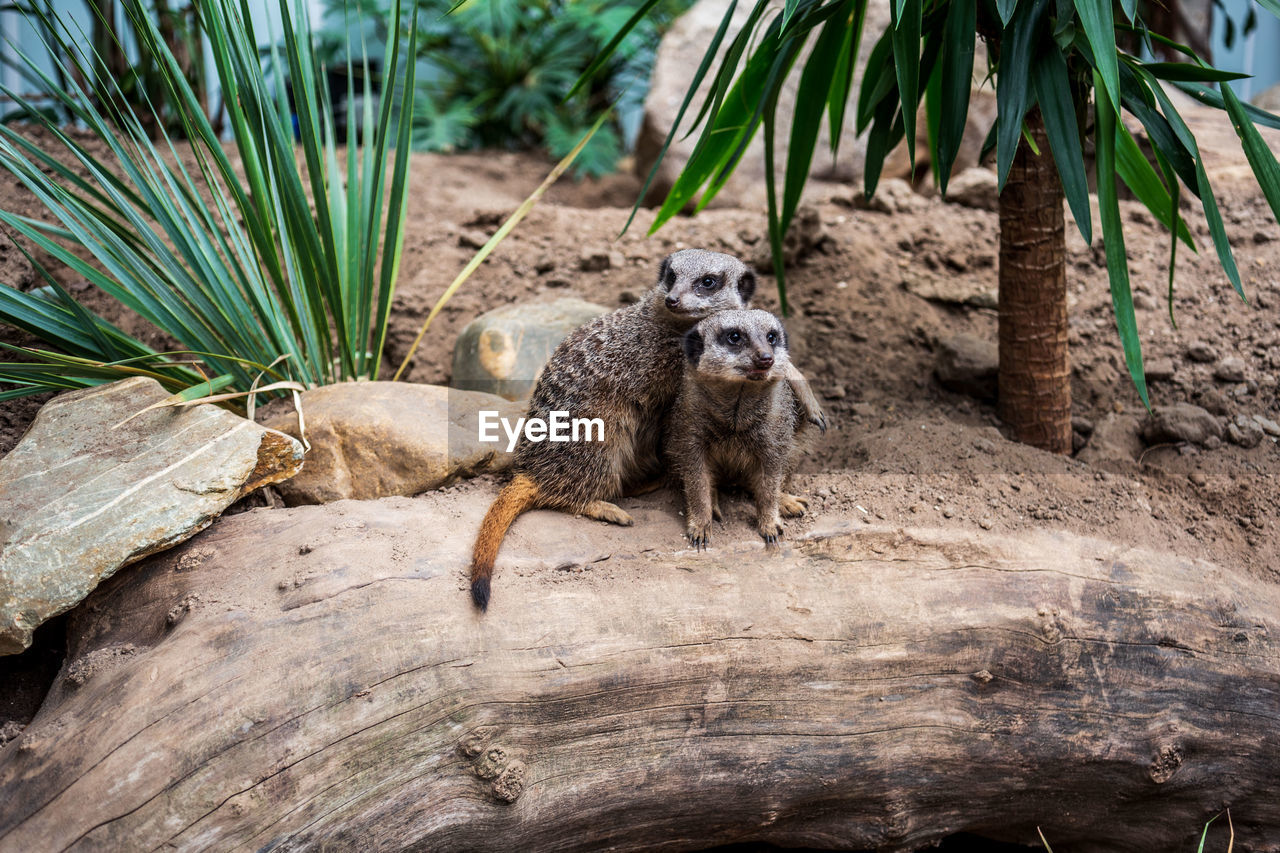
664 273
746 285
693 345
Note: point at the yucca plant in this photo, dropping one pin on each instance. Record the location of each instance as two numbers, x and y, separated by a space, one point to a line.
262 262
1060 76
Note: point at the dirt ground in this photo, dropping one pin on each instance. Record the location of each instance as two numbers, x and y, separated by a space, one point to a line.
901 449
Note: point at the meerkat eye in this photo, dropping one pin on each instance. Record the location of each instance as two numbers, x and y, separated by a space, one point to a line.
772 338
709 281
733 336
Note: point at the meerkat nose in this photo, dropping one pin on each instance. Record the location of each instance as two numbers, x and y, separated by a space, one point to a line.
764 359
673 302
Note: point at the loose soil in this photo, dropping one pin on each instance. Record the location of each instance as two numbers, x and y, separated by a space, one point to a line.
901 448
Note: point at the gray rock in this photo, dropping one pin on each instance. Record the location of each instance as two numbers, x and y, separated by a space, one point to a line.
1159 370
1230 369
1145 302
376 439
952 289
893 195
1201 352
86 492
1269 426
1245 432
968 365
1114 443
1082 425
503 352
975 187
1181 422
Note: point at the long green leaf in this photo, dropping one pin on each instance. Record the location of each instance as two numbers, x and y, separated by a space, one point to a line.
842 80
1113 237
958 44
1052 86
1099 29
1139 99
1217 229
878 82
1137 173
906 64
1209 97
1013 81
811 97
1261 160
1190 72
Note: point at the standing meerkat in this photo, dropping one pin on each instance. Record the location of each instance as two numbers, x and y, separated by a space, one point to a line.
736 420
625 369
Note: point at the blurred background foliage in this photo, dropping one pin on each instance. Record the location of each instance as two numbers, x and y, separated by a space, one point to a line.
497 73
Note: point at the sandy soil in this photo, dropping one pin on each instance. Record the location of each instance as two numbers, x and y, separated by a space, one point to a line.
902 449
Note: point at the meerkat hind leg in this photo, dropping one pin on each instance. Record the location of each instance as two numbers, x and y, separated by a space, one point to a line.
605 511
792 506
767 490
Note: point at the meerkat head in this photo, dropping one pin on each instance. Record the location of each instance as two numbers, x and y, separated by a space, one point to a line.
737 346
694 283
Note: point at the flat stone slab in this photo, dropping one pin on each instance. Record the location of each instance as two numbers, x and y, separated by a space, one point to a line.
83 494
379 439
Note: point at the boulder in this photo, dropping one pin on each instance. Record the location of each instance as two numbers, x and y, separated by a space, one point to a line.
502 352
376 439
1245 432
89 489
1181 422
975 187
969 365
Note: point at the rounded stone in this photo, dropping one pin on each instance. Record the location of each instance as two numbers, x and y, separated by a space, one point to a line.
503 351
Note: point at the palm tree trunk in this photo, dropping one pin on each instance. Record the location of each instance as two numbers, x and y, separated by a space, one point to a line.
1035 375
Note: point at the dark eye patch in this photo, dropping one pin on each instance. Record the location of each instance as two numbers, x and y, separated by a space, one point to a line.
709 282
732 337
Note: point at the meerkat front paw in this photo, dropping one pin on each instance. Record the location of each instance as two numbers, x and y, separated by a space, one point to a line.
770 529
699 535
792 506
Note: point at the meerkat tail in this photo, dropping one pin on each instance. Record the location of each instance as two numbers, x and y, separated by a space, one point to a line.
516 497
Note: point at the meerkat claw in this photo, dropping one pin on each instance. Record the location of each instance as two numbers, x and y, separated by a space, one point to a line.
699 538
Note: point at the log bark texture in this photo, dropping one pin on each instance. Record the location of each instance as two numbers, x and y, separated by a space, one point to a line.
316 678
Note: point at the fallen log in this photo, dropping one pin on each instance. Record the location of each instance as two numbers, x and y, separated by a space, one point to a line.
316 678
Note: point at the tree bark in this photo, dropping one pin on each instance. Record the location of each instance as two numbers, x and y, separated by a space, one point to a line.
316 678
1035 374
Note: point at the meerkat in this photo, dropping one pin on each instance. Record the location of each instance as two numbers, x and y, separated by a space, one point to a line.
624 368
736 420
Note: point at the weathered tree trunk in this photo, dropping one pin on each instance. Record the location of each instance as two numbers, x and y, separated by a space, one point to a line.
1035 375
316 678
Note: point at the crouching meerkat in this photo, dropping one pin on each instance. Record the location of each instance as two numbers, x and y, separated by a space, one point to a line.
736 420
624 368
